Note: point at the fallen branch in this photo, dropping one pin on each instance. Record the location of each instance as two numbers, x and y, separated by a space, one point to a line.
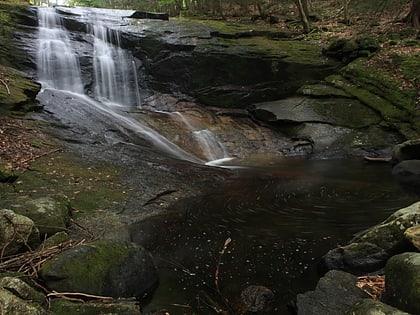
5 84
378 159
78 294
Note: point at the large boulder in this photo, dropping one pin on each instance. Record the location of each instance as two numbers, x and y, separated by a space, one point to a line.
402 285
51 213
334 294
370 250
105 267
17 233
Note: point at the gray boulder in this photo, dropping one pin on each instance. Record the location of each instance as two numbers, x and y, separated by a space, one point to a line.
50 214
402 285
370 250
17 233
334 294
105 267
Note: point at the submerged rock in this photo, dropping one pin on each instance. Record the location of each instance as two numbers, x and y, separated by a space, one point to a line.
257 299
402 286
106 268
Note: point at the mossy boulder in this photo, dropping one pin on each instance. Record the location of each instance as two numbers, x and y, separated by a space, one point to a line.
17 233
17 92
378 89
105 267
347 50
402 286
50 213
370 250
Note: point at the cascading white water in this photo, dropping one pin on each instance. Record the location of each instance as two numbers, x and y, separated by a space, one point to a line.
116 82
115 71
58 66
209 143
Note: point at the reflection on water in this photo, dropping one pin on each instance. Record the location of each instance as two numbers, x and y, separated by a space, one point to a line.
282 218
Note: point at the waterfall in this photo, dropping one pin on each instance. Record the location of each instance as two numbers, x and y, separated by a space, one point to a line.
115 71
58 66
115 85
209 143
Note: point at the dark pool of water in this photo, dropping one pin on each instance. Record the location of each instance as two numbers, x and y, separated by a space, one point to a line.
281 217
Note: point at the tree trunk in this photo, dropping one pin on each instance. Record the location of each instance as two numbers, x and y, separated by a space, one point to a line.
415 14
346 12
303 16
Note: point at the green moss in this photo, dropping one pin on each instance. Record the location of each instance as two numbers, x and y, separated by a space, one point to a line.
63 307
90 187
17 92
87 267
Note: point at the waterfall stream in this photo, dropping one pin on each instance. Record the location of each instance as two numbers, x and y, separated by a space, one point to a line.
116 87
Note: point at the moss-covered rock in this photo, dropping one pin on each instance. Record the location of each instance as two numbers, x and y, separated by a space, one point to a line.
349 49
106 268
63 307
50 213
370 250
17 92
402 286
